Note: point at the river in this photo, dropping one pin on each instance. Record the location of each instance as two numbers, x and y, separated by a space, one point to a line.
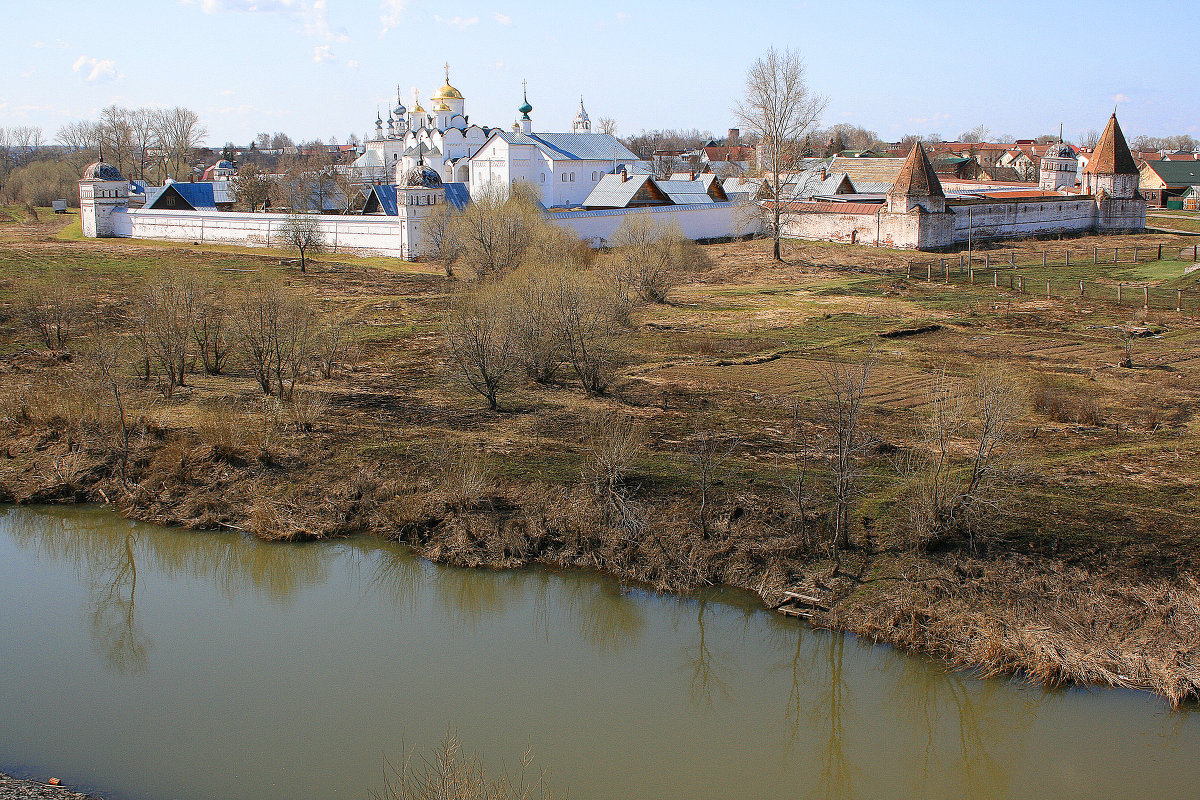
146 663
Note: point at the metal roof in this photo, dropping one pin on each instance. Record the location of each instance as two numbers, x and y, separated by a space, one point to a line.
199 196
1176 173
457 195
573 146
686 192
384 195
612 192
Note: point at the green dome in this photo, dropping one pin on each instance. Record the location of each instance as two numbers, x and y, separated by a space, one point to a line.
525 108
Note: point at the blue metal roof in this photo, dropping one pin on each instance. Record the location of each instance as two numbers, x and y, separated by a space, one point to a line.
199 196
573 146
385 196
457 195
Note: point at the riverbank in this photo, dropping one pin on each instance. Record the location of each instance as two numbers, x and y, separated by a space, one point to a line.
16 789
1078 565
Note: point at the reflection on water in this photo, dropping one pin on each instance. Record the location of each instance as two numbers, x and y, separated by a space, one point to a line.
620 692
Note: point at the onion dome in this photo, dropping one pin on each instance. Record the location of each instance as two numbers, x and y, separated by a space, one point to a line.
223 164
439 104
525 108
422 176
448 92
102 171
399 110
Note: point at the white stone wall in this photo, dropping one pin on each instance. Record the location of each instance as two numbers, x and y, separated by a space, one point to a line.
696 221
834 227
1016 218
372 235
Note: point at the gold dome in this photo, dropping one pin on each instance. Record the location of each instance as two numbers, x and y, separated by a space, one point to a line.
440 105
417 108
448 92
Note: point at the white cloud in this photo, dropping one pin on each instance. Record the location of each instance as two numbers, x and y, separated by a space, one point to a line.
352 64
456 21
499 66
503 19
97 69
316 23
390 14
39 44
322 52
1122 98
622 17
27 73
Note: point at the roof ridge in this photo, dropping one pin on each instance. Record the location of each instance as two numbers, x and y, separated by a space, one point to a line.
917 177
1112 156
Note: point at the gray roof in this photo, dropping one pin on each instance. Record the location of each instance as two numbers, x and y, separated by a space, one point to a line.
612 192
573 146
686 192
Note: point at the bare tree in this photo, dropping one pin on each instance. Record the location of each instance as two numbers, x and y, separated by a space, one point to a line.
949 498
252 187
707 451
439 240
481 344
780 108
606 125
178 133
164 318
652 257
303 232
612 443
590 315
536 327
51 310
211 330
843 392
275 332
493 231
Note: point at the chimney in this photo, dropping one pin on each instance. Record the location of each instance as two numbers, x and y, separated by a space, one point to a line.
824 173
691 174
734 136
624 175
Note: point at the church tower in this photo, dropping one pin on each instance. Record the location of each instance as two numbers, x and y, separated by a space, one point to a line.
582 123
1059 168
1111 169
917 186
102 190
525 123
419 196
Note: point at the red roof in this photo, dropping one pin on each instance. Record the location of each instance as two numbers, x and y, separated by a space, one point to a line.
819 207
734 153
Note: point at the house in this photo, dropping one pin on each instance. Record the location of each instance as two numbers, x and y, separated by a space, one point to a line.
1161 182
1191 199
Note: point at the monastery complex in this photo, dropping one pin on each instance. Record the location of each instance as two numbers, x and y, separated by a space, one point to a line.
419 161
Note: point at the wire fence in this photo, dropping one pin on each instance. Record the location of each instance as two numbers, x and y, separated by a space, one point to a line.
1041 274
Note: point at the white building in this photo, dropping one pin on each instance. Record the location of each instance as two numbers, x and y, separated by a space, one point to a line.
563 167
441 138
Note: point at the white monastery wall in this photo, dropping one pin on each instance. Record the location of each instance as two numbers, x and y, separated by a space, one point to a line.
380 235
831 227
696 221
1036 217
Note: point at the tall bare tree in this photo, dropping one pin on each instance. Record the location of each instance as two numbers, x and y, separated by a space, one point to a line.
303 232
841 404
179 133
780 109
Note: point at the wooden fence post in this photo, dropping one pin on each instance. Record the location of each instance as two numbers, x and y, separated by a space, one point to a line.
1095 254
1179 299
908 271
1012 259
987 261
946 273
1081 288
1067 256
1043 259
1116 251
1047 289
1135 254
995 280
1146 293
1160 252
1118 294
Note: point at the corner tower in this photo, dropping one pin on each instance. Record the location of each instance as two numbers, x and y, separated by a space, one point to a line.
917 186
102 190
1111 169
419 196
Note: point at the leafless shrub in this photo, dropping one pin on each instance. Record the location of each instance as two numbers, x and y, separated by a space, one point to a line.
651 257
51 310
841 406
463 474
275 331
447 774
590 315
612 444
707 452
793 469
211 330
481 344
1066 405
164 315
491 234
332 347
956 470
536 328
307 408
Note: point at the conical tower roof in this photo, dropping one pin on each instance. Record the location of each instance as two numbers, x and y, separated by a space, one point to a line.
917 177
1112 156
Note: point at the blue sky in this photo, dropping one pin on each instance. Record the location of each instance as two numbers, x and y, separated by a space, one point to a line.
319 68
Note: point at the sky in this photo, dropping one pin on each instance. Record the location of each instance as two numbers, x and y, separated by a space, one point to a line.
320 68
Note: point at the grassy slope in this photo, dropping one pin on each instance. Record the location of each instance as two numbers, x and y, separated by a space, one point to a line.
1118 497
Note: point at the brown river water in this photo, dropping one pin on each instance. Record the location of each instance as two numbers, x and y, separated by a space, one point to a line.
146 663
